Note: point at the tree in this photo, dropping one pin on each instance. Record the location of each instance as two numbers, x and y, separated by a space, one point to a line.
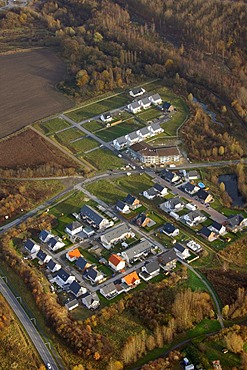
234 342
82 78
190 97
222 187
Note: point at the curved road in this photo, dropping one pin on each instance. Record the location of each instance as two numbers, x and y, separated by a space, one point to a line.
34 335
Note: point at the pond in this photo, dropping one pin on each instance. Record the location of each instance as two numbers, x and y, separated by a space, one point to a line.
211 114
231 185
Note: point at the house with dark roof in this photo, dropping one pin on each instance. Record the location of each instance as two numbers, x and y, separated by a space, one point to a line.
236 223
74 228
116 262
81 264
181 251
204 196
53 266
145 103
218 228
142 220
170 176
55 243
155 99
167 107
132 201
168 260
160 189
106 117
94 275
194 218
71 305
191 188
62 278
93 218
170 230
138 91
32 247
45 235
91 301
115 234
149 270
122 207
109 291
173 204
134 107
208 234
43 257
139 250
193 175
150 193
76 289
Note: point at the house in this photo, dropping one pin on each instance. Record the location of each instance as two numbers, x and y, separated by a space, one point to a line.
43 257
194 218
132 201
170 230
116 262
122 207
181 251
156 129
62 278
142 220
106 117
191 206
147 154
93 218
76 289
94 275
161 190
168 260
144 133
73 255
155 99
71 305
131 280
55 243
191 188
137 92
236 223
53 266
208 234
32 247
139 250
45 235
120 232
74 228
88 231
193 175
109 291
170 176
134 107
218 228
167 107
133 137
145 103
173 204
120 143
149 270
150 193
91 301
81 263
204 196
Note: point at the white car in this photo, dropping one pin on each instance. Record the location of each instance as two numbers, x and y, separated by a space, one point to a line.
48 366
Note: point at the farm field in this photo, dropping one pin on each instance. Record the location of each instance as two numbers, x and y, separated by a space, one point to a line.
36 151
31 96
103 159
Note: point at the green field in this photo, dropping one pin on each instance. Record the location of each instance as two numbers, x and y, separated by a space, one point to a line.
121 129
93 126
68 135
83 145
95 108
52 126
103 159
106 191
134 184
149 114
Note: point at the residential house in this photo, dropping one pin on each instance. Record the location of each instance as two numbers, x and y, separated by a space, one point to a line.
194 218
208 234
55 243
71 305
134 107
193 175
43 257
81 264
94 275
122 207
53 266
161 190
181 251
236 223
116 262
88 231
112 236
173 204
132 201
191 188
144 133
170 176
145 103
170 230
62 278
131 280
109 291
139 250
191 206
155 99
91 301
76 289
74 228
156 129
120 142
149 270
45 235
218 228
73 255
106 117
168 260
32 247
204 196
138 91
167 107
142 220
133 138
150 193
93 218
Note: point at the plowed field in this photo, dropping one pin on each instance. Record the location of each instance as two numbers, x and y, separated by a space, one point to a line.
28 93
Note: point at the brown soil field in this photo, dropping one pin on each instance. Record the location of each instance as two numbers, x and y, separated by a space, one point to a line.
28 93
28 149
226 283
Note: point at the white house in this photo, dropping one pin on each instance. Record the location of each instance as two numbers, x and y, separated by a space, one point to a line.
45 235
191 188
149 270
91 301
173 204
116 262
170 230
218 228
141 249
155 129
120 142
71 305
76 289
161 190
73 255
144 133
109 291
93 218
53 266
74 228
170 176
94 275
155 99
106 117
194 218
32 247
150 193
137 92
145 103
134 107
181 251
133 137
55 243
122 207
62 278
191 206
119 232
43 257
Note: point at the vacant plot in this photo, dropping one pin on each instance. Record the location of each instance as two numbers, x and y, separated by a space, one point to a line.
121 129
93 126
135 183
106 191
52 126
28 149
103 159
66 136
27 88
150 114
84 145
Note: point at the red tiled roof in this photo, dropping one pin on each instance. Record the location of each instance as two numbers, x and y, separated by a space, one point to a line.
115 259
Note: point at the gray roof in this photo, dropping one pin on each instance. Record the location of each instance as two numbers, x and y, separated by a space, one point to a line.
133 135
144 131
137 90
134 105
194 214
156 97
193 173
155 126
145 101
71 304
121 140
175 201
151 191
109 289
74 225
116 232
152 267
91 297
139 248
91 214
235 220
107 115
167 257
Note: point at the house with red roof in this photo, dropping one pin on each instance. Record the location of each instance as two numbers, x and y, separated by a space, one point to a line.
116 262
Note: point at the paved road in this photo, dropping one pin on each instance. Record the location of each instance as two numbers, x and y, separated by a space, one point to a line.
28 325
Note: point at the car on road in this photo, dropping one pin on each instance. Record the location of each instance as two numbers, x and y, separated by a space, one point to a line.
48 366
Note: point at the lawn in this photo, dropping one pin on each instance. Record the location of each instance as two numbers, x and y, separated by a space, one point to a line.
149 114
68 135
193 282
124 128
52 126
95 108
106 191
134 184
93 126
83 145
103 159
